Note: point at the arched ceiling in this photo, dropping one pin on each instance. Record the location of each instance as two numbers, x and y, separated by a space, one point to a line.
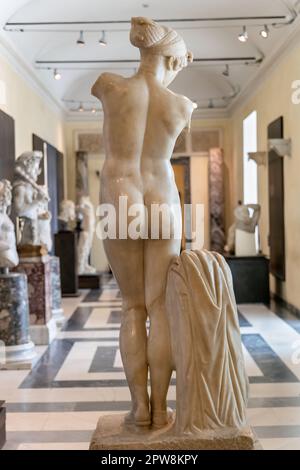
214 42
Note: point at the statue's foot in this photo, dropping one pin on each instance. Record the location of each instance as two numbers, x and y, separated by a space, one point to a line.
160 419
140 418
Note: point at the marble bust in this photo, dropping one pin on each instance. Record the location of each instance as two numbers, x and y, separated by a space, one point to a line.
8 253
30 202
85 210
142 121
67 215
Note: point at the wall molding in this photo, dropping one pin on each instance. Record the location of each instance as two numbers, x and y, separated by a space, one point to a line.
27 73
291 41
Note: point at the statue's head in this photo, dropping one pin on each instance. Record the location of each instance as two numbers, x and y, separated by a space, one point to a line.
67 210
5 194
30 163
153 39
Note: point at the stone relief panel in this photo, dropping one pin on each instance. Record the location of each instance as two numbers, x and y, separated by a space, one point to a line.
204 140
90 143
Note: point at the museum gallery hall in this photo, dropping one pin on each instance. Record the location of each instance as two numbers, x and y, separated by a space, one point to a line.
149 222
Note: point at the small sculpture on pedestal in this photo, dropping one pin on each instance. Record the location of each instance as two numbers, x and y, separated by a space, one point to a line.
241 239
8 253
246 220
66 216
87 215
14 312
31 203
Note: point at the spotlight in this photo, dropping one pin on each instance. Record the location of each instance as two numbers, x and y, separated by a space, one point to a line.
102 41
80 40
265 32
226 71
56 74
195 105
93 110
210 104
243 37
81 109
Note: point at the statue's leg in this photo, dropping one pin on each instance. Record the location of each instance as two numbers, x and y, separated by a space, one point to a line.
158 255
126 260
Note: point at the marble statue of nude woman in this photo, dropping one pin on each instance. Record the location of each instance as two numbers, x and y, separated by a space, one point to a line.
142 121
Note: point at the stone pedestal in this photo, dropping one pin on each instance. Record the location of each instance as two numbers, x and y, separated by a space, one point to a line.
66 250
112 434
90 281
56 306
38 271
2 424
250 278
14 319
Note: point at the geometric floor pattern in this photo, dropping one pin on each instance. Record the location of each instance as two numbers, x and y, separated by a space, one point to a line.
80 377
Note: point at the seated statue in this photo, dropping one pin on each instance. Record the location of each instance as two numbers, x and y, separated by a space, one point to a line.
67 215
8 253
30 202
86 212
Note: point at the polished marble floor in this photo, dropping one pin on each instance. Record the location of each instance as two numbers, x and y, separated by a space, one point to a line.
79 377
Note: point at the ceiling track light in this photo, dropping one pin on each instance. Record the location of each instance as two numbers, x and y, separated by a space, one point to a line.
81 108
211 104
80 40
243 37
102 41
265 32
56 74
226 72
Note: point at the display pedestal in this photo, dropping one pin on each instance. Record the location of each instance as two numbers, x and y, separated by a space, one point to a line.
16 345
250 278
66 250
56 307
38 271
2 424
90 281
112 434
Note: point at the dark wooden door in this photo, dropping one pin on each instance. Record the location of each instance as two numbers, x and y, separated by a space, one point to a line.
7 146
276 204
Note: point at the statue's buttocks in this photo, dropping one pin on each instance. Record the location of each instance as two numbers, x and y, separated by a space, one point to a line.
142 122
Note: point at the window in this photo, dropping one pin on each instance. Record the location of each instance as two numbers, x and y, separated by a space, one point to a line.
250 167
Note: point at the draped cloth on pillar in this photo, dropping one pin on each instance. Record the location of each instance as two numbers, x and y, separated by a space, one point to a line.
212 386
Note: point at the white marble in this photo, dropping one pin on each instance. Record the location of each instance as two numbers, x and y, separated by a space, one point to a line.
143 119
30 202
67 215
276 332
8 252
87 214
